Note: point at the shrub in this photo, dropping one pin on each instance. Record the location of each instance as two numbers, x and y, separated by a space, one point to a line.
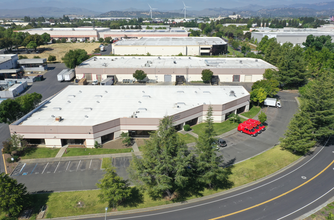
186 127
139 75
97 145
22 57
36 57
207 75
51 58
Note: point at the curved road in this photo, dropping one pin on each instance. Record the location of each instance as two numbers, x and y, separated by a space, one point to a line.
288 195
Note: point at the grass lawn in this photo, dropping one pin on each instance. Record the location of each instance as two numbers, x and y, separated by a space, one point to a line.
40 152
65 203
93 151
324 213
252 112
187 138
106 162
220 128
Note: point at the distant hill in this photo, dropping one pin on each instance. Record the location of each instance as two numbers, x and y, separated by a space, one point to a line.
45 12
143 14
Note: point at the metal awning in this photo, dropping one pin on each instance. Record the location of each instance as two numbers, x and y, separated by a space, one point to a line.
10 71
31 61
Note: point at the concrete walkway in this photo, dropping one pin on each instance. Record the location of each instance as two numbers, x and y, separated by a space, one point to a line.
61 151
135 147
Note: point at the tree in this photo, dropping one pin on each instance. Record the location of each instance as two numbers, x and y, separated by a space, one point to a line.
101 40
126 139
114 189
270 86
166 168
63 40
139 75
107 39
248 35
207 75
258 95
13 195
262 117
46 37
52 58
235 44
299 137
32 45
10 111
210 170
74 57
245 49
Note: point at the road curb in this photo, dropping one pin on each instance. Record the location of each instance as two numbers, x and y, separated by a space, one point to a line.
315 210
4 162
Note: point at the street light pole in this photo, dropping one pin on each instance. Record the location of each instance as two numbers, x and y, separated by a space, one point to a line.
105 217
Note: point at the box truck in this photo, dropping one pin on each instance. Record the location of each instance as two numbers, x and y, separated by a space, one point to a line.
60 76
68 76
272 102
107 82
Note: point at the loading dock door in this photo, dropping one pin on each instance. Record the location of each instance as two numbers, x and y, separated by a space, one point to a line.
167 78
236 78
248 78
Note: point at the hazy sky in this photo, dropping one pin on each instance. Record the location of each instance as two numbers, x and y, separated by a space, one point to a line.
108 5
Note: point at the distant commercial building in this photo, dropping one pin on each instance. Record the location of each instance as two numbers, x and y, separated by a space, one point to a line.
169 69
82 34
296 36
169 46
8 65
85 114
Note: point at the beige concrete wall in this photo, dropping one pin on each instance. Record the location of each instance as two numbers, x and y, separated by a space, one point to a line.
52 142
256 78
153 50
90 143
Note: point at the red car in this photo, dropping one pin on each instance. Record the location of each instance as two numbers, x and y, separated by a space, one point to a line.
261 126
248 129
255 125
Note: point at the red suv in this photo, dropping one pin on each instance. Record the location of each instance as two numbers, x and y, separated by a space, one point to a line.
261 126
248 129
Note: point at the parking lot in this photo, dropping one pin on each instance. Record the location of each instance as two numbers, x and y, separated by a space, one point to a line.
56 167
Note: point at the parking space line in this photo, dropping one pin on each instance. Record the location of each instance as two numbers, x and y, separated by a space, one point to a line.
90 164
78 165
45 167
68 164
34 168
57 167
22 168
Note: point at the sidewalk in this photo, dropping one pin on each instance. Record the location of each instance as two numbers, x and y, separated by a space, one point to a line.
61 151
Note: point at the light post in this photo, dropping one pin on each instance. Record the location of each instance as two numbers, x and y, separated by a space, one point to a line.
105 217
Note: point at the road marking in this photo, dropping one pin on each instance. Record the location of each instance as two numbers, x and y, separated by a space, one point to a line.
307 204
304 177
34 168
45 167
57 167
78 165
68 165
90 164
279 196
22 168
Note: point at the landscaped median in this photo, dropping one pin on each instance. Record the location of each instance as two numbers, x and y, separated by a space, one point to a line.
252 112
40 152
66 203
70 152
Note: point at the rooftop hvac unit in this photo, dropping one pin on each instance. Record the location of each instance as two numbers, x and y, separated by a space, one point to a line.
174 62
256 60
240 61
147 64
232 93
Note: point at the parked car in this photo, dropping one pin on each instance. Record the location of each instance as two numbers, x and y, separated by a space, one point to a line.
255 125
258 123
95 82
248 129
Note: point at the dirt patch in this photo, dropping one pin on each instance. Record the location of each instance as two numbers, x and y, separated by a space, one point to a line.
9 166
140 141
115 144
59 50
76 146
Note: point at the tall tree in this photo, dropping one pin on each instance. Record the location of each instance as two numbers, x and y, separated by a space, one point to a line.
211 172
114 189
258 95
74 58
270 86
13 195
167 168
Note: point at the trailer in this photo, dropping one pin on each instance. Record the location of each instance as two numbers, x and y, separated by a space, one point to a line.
272 102
107 82
60 76
102 48
69 75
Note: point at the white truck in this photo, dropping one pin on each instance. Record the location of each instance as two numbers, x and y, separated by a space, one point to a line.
68 76
102 48
107 82
60 76
272 102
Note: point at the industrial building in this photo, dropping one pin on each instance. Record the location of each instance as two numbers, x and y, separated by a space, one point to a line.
296 36
171 46
82 34
36 64
168 69
85 114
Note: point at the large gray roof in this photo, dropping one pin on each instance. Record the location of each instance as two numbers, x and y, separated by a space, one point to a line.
171 41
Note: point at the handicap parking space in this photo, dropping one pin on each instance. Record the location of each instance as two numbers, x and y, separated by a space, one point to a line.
57 167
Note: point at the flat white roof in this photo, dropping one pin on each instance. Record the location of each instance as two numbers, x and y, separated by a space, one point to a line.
171 41
173 62
92 105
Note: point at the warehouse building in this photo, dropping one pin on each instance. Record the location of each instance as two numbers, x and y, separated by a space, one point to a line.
36 64
171 46
169 69
83 34
85 114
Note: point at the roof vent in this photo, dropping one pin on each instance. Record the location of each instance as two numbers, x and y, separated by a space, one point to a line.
146 96
180 91
57 108
86 116
69 101
189 58
139 101
71 96
174 62
208 92
181 103
142 109
256 60
98 96
80 91
94 58
98 101
88 109
232 93
53 116
240 61
106 91
159 58
147 64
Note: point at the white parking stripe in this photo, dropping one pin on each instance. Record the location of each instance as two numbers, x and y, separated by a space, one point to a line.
68 164
78 165
90 164
57 167
45 167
